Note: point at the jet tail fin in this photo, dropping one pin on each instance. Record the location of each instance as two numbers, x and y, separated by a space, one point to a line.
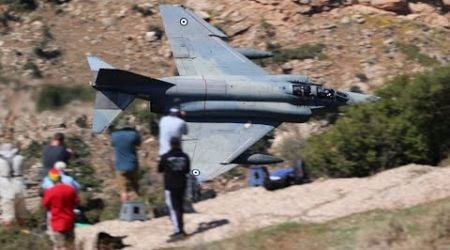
108 104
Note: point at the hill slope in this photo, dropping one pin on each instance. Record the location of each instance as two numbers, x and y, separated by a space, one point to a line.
244 210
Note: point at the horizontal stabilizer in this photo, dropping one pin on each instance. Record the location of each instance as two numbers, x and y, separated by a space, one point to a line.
96 64
116 79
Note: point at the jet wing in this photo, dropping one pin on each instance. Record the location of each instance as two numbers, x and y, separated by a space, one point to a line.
213 145
198 48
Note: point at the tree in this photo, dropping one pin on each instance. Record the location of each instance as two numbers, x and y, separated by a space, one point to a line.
409 125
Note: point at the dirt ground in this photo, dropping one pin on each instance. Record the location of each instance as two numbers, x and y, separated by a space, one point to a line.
233 213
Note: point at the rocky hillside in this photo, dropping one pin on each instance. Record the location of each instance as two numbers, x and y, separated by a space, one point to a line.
347 44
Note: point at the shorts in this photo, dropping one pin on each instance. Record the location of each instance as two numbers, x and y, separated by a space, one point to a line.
13 208
63 239
127 181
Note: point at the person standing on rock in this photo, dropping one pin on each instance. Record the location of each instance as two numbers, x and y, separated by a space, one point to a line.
61 200
125 140
12 186
171 126
55 151
175 165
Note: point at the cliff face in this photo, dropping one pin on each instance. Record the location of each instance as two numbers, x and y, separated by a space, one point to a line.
363 43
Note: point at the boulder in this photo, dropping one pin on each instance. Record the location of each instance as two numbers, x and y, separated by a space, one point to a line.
437 20
421 8
268 2
399 6
150 36
446 3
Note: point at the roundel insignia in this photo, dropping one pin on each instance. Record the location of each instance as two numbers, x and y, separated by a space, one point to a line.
183 21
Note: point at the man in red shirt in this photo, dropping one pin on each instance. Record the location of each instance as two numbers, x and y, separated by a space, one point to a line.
61 200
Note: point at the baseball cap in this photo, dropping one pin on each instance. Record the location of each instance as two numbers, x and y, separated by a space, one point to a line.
174 110
60 165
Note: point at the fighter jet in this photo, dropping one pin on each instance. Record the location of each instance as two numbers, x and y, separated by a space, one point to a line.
230 102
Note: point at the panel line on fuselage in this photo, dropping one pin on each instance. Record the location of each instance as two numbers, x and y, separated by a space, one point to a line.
206 93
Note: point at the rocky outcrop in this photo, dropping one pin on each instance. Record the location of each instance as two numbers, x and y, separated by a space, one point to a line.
248 209
399 6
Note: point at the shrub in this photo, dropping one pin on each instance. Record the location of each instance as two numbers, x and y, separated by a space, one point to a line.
412 52
362 77
80 163
143 10
19 239
52 97
20 5
35 71
305 51
409 124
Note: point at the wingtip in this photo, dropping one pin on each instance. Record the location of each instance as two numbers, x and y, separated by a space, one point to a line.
96 63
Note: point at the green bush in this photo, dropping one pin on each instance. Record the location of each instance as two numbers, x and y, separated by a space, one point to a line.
52 97
35 71
18 239
20 5
413 53
80 165
305 51
409 125
362 77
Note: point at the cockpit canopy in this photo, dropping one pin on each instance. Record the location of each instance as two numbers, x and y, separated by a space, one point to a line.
312 90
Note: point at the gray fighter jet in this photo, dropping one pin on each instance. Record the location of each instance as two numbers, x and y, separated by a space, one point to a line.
230 102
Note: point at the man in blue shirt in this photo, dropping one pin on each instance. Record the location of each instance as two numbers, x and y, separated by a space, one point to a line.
125 140
66 179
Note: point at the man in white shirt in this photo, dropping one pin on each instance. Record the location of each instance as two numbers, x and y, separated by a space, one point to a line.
170 126
12 186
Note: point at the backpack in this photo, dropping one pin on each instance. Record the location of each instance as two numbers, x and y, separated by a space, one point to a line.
9 161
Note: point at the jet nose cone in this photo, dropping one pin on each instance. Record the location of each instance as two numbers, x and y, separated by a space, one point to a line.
355 98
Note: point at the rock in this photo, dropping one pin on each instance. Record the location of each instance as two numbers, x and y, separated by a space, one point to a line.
421 8
203 14
446 2
145 9
389 42
150 36
304 9
236 17
364 2
287 67
329 26
399 6
108 22
268 2
304 1
366 10
437 20
37 25
358 19
238 29
412 17
122 13
345 20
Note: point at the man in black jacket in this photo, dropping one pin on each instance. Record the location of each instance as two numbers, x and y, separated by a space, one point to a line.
175 165
55 151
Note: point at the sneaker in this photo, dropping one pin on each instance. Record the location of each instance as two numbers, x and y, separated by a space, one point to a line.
178 235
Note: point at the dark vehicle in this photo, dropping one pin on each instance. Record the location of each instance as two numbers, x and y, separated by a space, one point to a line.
279 178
